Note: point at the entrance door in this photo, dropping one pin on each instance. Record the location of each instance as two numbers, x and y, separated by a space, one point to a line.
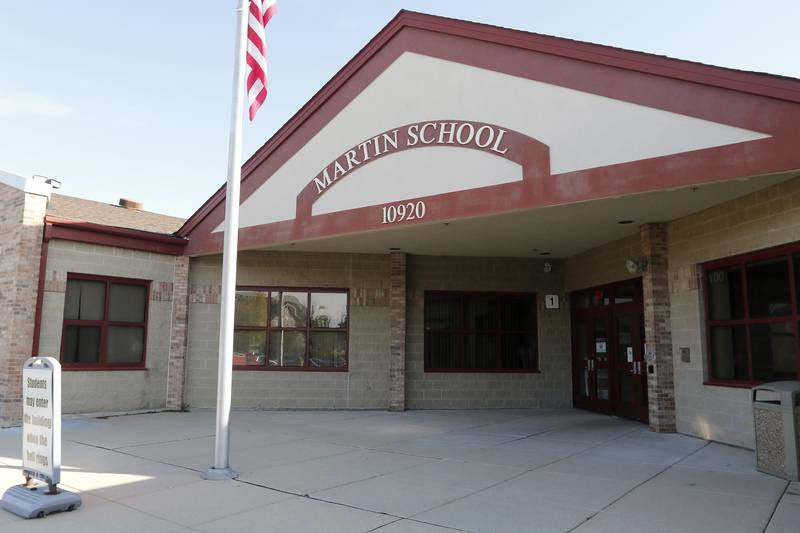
608 349
591 362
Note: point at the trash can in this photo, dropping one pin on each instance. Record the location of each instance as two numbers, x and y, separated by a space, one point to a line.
776 417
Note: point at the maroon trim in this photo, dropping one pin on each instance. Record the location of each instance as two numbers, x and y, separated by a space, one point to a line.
307 329
785 251
88 232
756 102
37 321
532 155
105 323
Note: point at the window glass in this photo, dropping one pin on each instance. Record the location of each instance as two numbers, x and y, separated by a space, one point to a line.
517 314
624 294
126 303
443 351
275 310
729 353
443 312
81 344
768 288
287 348
84 300
583 300
125 344
104 322
283 329
516 350
480 313
480 332
725 294
249 348
773 350
250 309
796 259
328 310
327 349
294 309
480 351
600 297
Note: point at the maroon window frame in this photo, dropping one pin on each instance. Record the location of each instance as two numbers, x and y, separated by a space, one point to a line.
105 323
461 332
788 252
308 329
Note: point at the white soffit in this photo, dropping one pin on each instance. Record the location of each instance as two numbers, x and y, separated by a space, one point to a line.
583 130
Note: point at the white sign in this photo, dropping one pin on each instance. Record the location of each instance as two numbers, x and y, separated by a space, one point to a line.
551 301
600 346
630 354
41 419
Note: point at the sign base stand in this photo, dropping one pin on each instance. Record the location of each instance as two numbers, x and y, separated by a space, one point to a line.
220 474
35 502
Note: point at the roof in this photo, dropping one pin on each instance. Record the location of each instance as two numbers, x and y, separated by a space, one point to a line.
760 84
79 209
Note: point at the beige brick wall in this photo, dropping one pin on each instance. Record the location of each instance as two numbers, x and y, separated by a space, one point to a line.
603 264
550 388
118 390
364 386
766 218
21 224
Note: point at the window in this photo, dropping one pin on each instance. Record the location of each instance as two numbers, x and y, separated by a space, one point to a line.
105 322
480 332
752 317
288 329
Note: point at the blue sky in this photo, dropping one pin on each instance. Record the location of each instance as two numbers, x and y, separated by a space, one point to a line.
132 99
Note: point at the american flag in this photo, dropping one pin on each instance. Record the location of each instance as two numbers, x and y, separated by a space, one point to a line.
260 13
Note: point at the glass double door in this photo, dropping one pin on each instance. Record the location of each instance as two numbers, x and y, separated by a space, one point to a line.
609 373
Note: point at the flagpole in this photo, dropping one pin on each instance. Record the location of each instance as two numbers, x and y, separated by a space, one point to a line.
221 468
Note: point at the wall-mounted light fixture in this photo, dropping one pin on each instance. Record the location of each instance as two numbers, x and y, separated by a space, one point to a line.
636 266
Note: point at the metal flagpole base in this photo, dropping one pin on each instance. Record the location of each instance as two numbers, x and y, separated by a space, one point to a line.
219 474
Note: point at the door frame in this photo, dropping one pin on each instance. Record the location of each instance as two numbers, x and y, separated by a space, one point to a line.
603 306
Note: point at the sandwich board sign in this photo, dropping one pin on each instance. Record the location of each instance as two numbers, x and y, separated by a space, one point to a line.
41 444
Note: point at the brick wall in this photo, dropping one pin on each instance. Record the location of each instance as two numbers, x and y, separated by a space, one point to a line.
118 390
430 390
364 386
657 328
21 225
765 218
179 333
397 340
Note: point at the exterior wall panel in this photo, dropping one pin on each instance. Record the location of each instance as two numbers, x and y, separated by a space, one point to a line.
364 386
110 390
766 218
551 387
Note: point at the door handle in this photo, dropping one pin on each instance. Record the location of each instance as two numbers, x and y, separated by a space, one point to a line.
637 367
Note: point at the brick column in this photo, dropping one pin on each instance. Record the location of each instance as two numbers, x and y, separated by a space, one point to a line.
397 340
657 328
21 231
176 366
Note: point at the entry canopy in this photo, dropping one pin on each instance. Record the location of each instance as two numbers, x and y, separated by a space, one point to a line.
439 120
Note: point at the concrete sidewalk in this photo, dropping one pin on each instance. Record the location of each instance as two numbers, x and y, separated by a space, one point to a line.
416 472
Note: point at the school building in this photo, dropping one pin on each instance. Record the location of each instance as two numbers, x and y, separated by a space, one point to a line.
465 216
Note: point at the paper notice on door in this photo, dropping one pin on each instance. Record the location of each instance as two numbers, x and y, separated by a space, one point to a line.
600 346
630 354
